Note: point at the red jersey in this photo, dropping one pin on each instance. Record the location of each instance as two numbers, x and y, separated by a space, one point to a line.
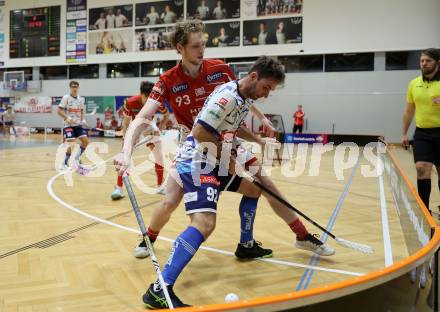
298 118
133 106
187 95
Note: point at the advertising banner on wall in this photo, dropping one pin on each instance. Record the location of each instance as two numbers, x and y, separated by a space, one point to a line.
159 12
309 138
101 103
94 103
153 38
56 100
76 31
110 17
110 42
33 104
2 30
272 31
7 101
225 34
120 100
213 9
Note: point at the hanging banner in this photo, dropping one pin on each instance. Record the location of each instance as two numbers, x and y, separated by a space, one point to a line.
33 104
76 31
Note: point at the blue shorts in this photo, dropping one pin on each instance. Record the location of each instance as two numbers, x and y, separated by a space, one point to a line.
201 192
70 133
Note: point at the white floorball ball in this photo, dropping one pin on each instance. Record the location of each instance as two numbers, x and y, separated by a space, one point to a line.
231 297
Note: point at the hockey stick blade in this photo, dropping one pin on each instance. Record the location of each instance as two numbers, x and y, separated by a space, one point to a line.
355 246
340 241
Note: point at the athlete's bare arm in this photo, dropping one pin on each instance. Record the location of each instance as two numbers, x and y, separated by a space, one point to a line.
62 113
136 127
247 135
407 119
266 122
125 124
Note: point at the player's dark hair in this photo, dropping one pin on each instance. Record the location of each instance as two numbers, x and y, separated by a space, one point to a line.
146 87
182 30
73 83
432 53
267 67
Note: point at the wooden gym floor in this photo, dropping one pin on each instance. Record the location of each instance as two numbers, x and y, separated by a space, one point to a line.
53 258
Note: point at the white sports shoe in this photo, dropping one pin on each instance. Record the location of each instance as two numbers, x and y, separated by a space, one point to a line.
117 193
64 167
161 189
141 251
312 243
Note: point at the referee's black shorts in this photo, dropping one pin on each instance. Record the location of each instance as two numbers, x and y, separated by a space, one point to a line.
426 145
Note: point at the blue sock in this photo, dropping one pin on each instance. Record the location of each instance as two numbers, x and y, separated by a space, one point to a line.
66 159
81 151
184 248
248 207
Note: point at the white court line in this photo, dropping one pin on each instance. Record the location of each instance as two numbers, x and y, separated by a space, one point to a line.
223 252
388 252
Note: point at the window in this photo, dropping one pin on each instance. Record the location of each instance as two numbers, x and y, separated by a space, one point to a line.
53 72
241 66
302 63
240 59
402 60
122 70
84 71
349 62
151 69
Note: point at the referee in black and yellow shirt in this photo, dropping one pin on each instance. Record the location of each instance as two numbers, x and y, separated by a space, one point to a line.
423 98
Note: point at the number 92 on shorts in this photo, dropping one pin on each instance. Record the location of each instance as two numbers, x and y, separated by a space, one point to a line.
201 191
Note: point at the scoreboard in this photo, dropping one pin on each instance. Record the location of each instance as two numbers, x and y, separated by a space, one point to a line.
34 32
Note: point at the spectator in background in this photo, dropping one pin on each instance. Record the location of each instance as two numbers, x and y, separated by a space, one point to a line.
113 123
120 19
99 124
298 120
108 113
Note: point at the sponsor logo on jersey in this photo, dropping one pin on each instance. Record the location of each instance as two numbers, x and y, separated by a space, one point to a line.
223 101
200 91
214 114
190 197
209 180
213 77
221 106
180 88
